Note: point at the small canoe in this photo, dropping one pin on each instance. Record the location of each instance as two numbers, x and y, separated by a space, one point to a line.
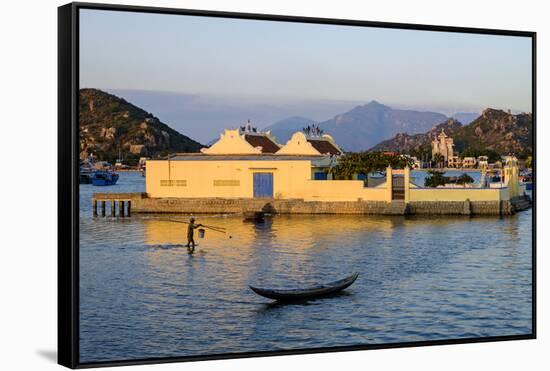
306 293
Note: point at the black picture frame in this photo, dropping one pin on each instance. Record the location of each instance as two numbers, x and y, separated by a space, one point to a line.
68 186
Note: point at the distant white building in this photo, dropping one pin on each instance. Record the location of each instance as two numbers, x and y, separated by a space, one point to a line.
443 145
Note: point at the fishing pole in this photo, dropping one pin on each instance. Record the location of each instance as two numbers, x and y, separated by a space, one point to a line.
202 225
214 229
212 226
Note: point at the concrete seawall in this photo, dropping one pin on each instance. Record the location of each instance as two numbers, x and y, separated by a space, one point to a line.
461 208
140 203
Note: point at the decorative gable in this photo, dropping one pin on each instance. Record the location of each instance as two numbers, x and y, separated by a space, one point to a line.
231 142
298 145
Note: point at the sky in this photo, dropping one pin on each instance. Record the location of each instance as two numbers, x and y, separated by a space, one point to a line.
248 62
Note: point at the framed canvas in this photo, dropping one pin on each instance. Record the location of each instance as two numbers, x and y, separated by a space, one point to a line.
240 185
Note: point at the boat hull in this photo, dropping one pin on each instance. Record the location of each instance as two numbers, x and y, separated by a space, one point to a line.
307 293
105 180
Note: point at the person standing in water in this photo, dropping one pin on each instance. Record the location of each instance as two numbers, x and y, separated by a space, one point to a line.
190 234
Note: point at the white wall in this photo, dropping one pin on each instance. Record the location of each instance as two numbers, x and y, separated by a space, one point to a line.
28 238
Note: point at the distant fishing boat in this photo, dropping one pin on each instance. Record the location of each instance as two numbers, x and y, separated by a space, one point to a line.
104 178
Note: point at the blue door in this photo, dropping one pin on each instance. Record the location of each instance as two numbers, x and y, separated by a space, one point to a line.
320 175
263 185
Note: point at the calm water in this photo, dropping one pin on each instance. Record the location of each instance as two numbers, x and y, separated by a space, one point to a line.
142 295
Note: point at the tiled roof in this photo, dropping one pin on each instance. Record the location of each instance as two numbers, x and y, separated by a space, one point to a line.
268 146
324 146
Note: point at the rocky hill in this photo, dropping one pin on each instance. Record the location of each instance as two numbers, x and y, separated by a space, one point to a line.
499 131
493 130
109 125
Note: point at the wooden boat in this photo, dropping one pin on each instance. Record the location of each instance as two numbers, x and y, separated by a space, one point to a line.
306 293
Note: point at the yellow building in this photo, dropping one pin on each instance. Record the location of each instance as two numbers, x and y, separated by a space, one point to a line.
245 163
248 163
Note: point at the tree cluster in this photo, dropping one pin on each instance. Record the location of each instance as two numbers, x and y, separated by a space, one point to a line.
365 163
438 178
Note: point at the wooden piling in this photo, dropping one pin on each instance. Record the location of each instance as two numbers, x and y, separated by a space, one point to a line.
129 208
95 207
113 208
121 209
103 207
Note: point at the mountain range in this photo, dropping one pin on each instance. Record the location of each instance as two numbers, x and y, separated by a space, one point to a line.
110 125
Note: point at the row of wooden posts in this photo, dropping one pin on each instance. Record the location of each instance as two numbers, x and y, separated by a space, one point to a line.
124 208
